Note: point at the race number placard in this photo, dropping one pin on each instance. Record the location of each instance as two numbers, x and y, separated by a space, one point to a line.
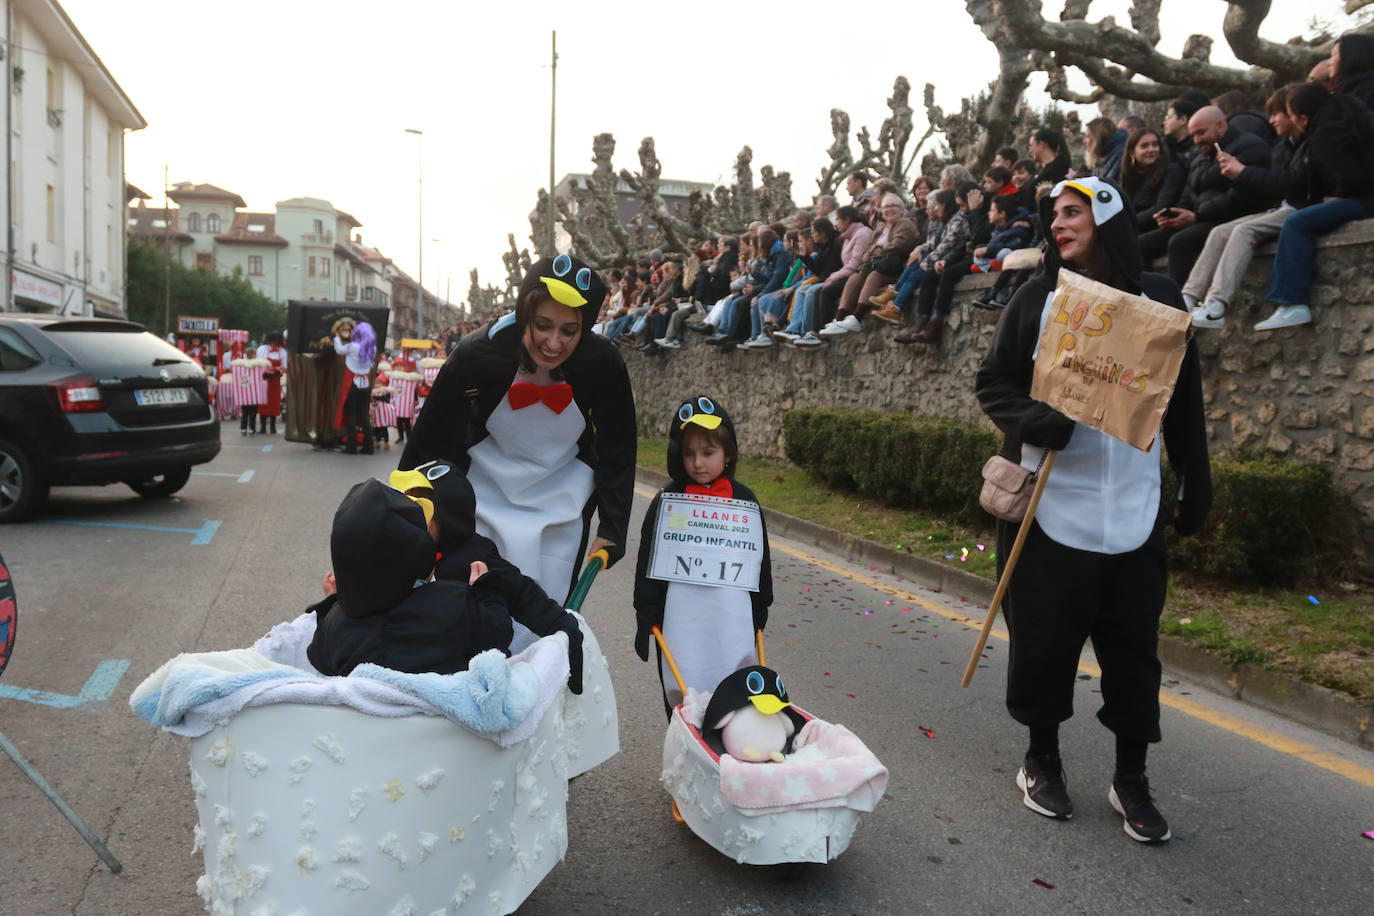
706 540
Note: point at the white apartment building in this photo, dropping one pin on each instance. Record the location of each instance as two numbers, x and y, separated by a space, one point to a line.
63 203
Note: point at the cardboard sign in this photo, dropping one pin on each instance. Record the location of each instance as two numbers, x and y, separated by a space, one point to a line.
1108 359
706 540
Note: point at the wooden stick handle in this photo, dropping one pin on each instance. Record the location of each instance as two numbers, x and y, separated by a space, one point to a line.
758 643
672 665
1005 581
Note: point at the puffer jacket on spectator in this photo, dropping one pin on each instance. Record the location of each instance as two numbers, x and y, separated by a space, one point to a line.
1253 121
1149 199
1285 178
855 240
1340 142
1016 233
1216 198
1360 86
953 244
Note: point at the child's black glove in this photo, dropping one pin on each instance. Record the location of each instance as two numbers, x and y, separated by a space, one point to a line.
569 626
642 635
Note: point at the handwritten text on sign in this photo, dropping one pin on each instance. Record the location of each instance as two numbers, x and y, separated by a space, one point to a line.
706 540
1108 359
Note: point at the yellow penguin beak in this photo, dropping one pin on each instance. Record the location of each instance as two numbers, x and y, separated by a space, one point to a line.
426 507
768 704
563 293
409 480
704 420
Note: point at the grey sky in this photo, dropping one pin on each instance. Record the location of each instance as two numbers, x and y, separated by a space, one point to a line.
284 98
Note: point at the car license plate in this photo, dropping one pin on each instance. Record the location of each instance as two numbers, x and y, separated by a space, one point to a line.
154 397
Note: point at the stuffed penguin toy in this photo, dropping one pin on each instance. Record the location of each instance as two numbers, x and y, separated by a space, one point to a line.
750 718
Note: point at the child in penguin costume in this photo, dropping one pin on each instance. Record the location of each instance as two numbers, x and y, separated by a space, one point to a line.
461 551
385 610
537 412
708 629
750 718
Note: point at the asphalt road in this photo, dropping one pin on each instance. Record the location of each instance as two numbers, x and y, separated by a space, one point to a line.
1268 816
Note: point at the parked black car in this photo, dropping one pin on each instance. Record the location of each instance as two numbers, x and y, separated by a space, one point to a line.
92 401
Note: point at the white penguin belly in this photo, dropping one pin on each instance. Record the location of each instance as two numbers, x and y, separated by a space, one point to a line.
531 490
710 631
754 737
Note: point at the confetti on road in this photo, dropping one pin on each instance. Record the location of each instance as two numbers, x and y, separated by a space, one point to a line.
1313 599
1368 834
1045 884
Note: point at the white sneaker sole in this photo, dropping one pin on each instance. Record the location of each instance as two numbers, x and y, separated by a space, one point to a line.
1126 824
1200 321
1030 803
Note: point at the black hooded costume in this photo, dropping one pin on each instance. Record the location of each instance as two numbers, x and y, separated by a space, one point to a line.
651 596
476 381
385 611
459 546
1060 595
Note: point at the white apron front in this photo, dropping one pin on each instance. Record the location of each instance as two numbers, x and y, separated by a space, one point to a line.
531 489
710 631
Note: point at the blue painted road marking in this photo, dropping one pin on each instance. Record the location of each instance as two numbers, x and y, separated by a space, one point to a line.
245 476
203 535
265 448
98 688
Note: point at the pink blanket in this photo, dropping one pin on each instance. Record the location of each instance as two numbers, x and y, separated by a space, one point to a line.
829 768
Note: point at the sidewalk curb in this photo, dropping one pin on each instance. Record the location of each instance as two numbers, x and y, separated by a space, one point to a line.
1312 705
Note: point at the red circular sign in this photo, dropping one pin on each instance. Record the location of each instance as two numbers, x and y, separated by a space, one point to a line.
9 615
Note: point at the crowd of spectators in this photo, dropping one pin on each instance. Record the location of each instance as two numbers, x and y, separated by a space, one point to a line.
1213 181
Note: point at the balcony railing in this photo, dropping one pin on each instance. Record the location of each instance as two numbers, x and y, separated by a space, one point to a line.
317 238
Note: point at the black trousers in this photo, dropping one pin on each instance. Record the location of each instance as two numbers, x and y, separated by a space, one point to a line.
1059 597
1182 246
402 427
355 419
248 417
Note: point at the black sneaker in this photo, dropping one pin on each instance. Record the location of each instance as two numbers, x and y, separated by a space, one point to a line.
1041 779
1130 796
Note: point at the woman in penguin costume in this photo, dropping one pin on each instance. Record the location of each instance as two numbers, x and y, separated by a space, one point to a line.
708 629
750 717
537 412
1093 562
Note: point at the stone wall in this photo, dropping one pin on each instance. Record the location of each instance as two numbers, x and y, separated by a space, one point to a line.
1303 392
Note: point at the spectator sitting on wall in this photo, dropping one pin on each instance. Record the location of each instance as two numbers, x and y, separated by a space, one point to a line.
997 183
1010 230
1216 277
1352 66
946 265
822 258
860 194
1105 144
1243 116
802 220
1209 198
1176 135
882 264
921 190
952 176
855 236
669 297
826 205
1340 176
1151 180
941 206
1050 151
1006 157
1023 176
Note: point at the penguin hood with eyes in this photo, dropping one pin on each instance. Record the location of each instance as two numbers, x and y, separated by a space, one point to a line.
702 411
570 282
756 688
455 505
379 547
1116 229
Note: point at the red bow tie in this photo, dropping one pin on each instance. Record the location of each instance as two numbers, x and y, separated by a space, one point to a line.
719 487
555 397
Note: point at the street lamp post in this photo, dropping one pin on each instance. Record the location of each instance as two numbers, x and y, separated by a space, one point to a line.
420 219
439 280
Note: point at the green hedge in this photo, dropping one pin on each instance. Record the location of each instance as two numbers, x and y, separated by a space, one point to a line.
1273 521
907 461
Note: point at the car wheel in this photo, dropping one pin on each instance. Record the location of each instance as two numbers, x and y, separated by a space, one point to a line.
22 491
164 484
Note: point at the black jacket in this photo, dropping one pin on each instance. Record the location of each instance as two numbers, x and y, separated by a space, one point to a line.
1285 178
1003 381
479 374
1181 151
1253 121
384 612
650 594
1360 86
1149 199
726 261
1340 141
826 259
1216 198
